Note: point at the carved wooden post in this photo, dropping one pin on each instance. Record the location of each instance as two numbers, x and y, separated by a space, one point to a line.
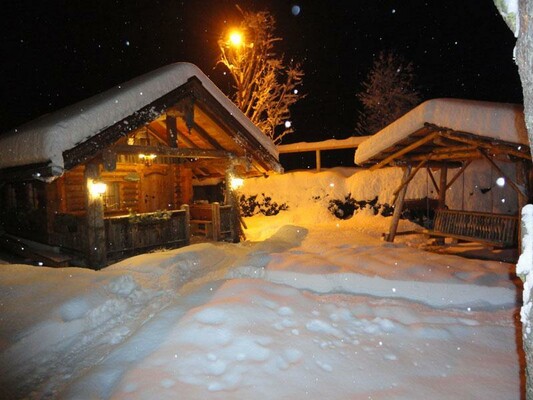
398 205
96 240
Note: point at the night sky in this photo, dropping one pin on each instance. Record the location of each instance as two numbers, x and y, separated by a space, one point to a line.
55 53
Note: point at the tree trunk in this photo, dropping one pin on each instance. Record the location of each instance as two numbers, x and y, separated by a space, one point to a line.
524 60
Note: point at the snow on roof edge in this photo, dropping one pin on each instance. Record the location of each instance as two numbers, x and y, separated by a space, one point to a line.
47 137
329 144
504 121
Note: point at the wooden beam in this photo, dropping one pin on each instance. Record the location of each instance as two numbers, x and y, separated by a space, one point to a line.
398 206
173 152
433 179
518 189
410 177
405 150
453 149
494 145
205 136
458 174
184 109
448 155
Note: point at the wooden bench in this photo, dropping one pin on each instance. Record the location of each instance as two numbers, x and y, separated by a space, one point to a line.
498 230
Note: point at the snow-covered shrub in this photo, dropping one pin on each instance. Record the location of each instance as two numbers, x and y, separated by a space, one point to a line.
345 209
252 205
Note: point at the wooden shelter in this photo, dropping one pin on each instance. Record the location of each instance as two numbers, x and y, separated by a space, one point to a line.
449 134
113 175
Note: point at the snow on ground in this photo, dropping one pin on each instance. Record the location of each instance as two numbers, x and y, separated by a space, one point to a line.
308 307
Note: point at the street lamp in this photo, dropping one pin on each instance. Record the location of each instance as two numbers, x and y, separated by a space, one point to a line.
235 38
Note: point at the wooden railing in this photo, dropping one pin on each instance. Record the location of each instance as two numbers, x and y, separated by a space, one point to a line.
498 230
70 232
317 147
127 236
211 220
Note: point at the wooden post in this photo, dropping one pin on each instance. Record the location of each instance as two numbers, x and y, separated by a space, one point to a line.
443 181
443 186
318 161
215 213
231 200
398 205
96 240
187 222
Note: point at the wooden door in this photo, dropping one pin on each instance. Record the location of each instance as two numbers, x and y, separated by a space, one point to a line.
156 191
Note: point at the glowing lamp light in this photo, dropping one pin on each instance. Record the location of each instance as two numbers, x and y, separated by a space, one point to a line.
98 188
235 183
235 38
147 158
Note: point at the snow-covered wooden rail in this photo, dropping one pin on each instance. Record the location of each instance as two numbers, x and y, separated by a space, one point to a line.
499 230
331 144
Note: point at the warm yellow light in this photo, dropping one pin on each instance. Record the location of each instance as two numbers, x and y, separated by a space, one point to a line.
235 183
235 38
97 188
147 158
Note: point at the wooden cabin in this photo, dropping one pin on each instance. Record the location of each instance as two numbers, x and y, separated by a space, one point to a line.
114 175
444 138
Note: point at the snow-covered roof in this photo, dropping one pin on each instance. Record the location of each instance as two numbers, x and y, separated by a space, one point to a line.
486 119
45 139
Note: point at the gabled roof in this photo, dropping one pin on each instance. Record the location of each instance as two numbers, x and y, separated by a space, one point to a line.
448 130
72 135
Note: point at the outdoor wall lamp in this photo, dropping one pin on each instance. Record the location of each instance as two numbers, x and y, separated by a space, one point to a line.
235 183
97 188
147 158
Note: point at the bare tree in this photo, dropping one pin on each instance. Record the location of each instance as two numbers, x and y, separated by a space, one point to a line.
265 85
388 92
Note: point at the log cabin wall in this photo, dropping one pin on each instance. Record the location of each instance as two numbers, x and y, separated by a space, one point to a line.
130 188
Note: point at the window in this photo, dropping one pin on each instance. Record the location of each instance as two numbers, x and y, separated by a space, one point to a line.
112 197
